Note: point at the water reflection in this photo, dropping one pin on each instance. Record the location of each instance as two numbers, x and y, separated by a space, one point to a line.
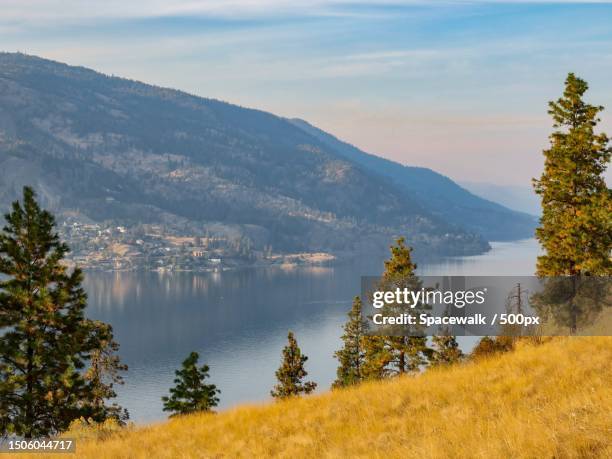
238 321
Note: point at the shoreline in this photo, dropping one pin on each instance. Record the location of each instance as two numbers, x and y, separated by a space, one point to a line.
284 261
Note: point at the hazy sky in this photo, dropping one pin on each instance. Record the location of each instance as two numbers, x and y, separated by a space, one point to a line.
461 87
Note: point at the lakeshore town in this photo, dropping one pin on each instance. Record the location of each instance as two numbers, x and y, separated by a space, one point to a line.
106 247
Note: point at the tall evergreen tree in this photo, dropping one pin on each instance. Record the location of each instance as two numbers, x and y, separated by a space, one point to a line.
397 354
45 339
191 394
575 228
291 373
351 356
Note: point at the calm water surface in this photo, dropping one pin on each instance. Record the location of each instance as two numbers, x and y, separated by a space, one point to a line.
238 321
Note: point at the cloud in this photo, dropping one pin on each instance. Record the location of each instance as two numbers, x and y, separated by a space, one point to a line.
24 11
428 85
69 11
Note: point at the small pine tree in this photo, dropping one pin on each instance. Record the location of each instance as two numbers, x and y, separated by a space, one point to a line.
410 352
445 350
190 393
351 356
104 373
291 373
575 228
45 339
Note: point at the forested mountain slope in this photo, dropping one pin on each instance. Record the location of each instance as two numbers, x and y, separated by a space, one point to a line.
110 149
439 194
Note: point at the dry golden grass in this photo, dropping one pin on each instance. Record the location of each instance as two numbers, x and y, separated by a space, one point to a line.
552 400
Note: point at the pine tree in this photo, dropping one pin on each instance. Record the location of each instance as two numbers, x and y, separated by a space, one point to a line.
575 228
190 393
291 373
104 373
400 265
377 357
445 350
390 355
45 339
410 352
351 356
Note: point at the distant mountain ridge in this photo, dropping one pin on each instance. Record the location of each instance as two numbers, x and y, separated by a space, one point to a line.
110 149
437 193
520 198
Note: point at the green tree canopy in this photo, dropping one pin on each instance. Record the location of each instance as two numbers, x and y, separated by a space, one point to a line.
445 350
396 353
46 342
191 394
291 373
351 356
576 225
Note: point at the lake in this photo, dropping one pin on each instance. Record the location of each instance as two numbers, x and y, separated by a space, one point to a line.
238 320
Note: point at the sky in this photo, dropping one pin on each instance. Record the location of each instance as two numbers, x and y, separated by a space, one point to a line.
458 86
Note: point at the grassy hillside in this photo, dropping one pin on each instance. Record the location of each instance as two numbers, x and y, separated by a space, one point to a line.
552 400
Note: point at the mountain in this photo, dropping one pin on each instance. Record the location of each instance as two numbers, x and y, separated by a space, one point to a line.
437 193
520 198
108 149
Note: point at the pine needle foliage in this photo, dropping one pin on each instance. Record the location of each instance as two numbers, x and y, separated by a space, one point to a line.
445 350
576 225
396 354
46 342
190 394
291 373
351 357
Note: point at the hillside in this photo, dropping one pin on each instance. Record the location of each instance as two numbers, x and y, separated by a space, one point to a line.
521 198
551 400
100 148
438 193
